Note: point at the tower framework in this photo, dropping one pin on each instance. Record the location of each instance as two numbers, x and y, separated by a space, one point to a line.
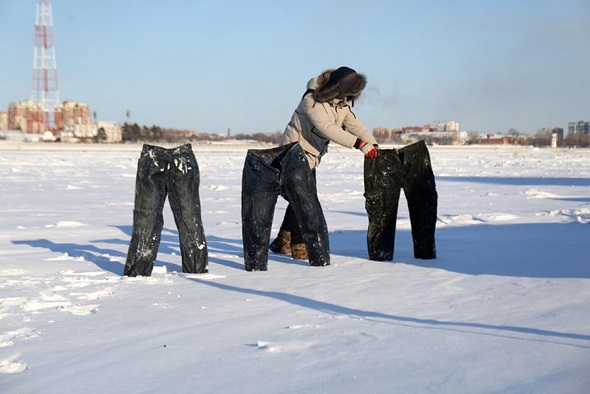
45 91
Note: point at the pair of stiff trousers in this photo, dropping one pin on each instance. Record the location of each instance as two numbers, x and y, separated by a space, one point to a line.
410 169
162 173
267 174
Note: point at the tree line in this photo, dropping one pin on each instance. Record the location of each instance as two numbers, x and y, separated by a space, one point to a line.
132 132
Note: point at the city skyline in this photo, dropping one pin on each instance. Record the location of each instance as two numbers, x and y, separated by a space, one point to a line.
243 65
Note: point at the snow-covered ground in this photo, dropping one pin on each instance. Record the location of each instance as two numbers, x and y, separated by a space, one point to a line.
504 308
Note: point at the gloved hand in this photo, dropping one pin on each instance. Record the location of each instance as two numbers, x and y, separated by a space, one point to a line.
368 150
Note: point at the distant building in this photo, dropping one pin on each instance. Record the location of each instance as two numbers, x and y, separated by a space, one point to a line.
29 117
72 116
26 116
558 131
3 120
439 133
580 127
449 126
496 140
112 132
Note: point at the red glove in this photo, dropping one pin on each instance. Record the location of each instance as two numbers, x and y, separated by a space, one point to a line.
368 150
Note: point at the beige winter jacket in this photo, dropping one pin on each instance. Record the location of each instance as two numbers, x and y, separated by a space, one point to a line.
315 124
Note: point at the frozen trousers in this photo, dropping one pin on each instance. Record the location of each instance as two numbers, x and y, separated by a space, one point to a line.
162 173
268 173
290 223
408 168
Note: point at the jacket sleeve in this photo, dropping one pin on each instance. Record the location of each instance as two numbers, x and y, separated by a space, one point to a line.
323 118
356 127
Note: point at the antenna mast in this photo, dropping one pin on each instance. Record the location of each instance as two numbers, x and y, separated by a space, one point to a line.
45 87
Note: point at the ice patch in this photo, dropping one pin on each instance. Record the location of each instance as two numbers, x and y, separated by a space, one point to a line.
74 273
148 280
7 339
534 193
66 224
218 188
107 292
65 256
50 296
13 301
581 215
12 365
12 272
80 310
475 219
264 346
39 305
159 269
497 217
277 347
204 276
459 219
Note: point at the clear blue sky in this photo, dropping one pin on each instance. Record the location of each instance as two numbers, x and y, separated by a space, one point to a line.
243 65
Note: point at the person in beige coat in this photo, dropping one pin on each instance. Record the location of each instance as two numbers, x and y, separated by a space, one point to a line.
324 114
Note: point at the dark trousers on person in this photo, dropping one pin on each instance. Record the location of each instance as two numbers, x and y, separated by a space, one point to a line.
290 222
408 168
268 173
162 173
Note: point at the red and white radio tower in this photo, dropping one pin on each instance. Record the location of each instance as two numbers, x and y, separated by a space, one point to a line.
45 88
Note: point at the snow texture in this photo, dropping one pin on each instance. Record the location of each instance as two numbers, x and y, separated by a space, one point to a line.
504 308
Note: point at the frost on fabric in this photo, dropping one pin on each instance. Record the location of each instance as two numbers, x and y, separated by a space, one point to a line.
182 165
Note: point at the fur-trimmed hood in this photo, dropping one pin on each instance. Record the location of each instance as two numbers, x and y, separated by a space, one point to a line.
343 83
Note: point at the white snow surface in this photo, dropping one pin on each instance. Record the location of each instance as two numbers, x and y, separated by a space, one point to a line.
504 308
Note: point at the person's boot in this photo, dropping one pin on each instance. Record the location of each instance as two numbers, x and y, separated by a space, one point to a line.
299 251
282 243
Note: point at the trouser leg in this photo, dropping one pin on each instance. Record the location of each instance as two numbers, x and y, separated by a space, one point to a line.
260 190
382 192
290 222
299 188
183 194
150 195
420 191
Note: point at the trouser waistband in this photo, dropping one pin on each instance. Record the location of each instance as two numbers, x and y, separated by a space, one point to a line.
167 151
415 148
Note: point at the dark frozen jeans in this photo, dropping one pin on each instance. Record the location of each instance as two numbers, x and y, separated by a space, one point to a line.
162 173
408 168
268 173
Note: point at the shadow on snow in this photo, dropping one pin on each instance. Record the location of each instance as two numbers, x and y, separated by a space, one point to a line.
518 181
478 328
538 250
541 250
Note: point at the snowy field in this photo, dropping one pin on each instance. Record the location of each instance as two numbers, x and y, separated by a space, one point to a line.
504 308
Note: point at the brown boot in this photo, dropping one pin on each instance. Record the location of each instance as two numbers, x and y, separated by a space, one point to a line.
299 251
282 244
